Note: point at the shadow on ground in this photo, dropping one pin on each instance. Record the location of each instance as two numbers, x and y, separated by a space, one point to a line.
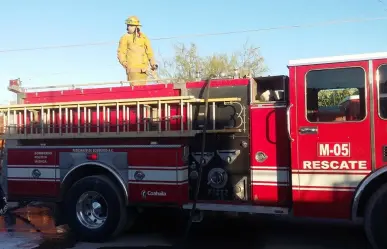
260 232
216 232
33 227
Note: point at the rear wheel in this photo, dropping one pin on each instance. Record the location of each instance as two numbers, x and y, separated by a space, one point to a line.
95 209
375 220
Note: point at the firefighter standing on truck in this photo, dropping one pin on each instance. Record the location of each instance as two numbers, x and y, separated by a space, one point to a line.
135 52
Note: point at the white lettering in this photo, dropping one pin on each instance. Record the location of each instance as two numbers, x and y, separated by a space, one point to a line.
92 150
154 193
324 149
337 149
47 153
345 149
344 165
362 165
40 161
325 165
316 165
41 157
335 165
307 165
333 150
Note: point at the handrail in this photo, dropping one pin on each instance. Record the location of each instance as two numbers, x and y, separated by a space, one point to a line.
288 122
73 86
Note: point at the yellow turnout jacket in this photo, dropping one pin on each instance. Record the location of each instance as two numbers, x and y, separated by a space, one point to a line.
135 52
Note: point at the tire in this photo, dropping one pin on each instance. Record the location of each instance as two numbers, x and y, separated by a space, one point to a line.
115 219
375 219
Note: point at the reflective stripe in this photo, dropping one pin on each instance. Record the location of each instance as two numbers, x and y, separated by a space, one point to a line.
32 166
327 180
163 174
266 174
27 173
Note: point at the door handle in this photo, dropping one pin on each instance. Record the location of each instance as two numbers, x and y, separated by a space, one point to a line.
308 130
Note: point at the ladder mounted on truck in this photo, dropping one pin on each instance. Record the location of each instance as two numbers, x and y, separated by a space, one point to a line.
140 117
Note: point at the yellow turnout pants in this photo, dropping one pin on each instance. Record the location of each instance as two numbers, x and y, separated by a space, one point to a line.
134 75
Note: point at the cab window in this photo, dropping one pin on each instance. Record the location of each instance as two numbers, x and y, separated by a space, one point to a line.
382 72
336 95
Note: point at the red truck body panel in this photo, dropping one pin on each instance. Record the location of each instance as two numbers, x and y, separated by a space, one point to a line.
166 164
270 183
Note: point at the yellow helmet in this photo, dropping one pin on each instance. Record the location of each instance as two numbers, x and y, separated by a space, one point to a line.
133 20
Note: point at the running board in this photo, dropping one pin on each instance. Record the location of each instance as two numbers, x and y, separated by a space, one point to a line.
238 208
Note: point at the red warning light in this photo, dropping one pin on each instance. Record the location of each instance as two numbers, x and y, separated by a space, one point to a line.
92 156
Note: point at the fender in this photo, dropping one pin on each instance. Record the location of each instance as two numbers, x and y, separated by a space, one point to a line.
362 187
110 169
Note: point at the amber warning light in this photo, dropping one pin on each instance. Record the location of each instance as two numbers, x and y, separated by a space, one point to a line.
92 156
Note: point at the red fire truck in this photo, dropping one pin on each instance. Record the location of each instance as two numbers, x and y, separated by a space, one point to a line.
103 153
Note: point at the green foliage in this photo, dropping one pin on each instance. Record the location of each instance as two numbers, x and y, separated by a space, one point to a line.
186 63
333 97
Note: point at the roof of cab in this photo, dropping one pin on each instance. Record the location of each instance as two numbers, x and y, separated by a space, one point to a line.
336 59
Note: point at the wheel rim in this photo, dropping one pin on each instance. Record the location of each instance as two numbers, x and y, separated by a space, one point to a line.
92 210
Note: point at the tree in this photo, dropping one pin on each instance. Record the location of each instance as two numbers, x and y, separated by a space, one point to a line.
186 63
334 97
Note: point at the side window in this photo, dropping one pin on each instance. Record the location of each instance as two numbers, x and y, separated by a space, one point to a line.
382 72
336 95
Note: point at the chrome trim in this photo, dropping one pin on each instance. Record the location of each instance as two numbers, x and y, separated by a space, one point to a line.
308 130
361 188
100 146
89 210
288 121
272 104
251 91
238 208
377 81
372 113
337 59
110 169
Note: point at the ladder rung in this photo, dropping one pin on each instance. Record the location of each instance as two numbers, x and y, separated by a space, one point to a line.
102 135
142 117
100 102
106 103
191 133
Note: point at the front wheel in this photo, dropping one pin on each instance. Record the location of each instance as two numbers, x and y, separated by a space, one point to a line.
375 220
95 209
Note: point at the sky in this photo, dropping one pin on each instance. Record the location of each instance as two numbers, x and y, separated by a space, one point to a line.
40 23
